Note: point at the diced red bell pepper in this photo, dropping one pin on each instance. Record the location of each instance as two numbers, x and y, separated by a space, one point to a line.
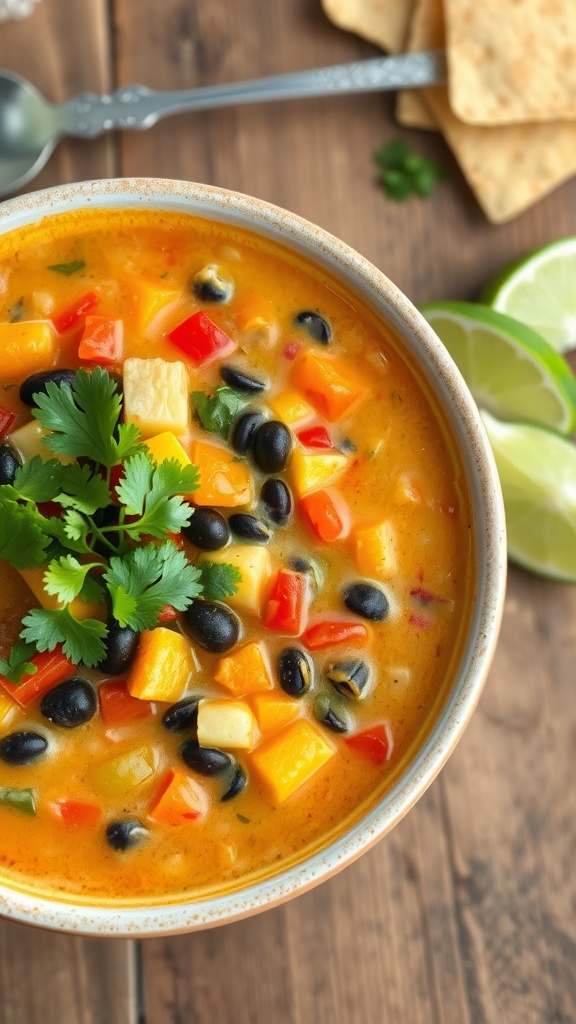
6 420
168 613
75 813
201 340
52 667
118 707
292 350
328 515
287 607
375 744
71 316
49 509
314 437
102 340
330 632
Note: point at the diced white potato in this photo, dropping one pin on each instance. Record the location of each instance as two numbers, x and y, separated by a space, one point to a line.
229 724
156 396
28 441
255 565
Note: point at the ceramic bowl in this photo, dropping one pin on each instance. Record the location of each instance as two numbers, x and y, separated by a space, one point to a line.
429 356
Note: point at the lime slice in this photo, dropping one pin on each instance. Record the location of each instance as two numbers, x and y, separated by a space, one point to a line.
510 370
540 291
537 470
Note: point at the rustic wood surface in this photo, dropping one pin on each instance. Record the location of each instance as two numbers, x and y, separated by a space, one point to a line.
465 913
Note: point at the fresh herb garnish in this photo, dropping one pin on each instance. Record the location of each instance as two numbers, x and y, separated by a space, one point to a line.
152 493
146 579
404 172
216 411
68 268
18 663
218 580
82 640
16 312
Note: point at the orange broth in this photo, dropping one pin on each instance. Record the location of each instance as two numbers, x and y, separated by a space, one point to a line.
402 469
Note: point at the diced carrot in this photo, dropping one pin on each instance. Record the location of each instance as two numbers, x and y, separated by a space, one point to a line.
75 813
331 632
329 383
179 801
244 671
118 707
102 340
328 514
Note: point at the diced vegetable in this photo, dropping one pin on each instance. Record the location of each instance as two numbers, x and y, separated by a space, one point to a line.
180 800
328 514
149 295
201 340
287 607
374 744
229 724
224 479
52 667
78 608
407 490
314 437
167 446
162 666
254 314
156 396
289 759
244 671
7 709
127 771
331 632
290 407
311 472
71 316
19 799
6 420
329 384
75 813
26 346
255 566
102 340
273 711
118 707
374 548
28 441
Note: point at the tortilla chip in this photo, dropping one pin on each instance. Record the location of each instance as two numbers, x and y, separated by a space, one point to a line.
511 63
411 109
383 22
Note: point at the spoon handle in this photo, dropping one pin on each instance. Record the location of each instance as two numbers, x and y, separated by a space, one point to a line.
137 107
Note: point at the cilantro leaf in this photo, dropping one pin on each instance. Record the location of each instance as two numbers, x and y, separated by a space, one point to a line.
68 268
23 541
404 173
65 578
153 493
16 312
216 411
82 641
82 489
147 578
72 530
36 480
219 579
18 663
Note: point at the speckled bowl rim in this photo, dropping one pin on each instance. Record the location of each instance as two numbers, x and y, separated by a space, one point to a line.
62 913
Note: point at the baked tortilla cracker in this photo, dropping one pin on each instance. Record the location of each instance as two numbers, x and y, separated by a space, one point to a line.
384 22
511 62
411 109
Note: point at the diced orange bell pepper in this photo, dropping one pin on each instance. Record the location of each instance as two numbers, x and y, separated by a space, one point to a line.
329 383
312 470
244 671
224 479
328 514
102 340
179 801
75 813
148 296
162 666
286 761
273 711
26 347
52 667
118 707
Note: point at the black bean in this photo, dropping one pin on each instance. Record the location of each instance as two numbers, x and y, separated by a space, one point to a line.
36 383
207 530
271 446
122 835
249 528
276 496
315 325
71 703
244 431
108 516
294 671
349 677
326 714
121 646
212 626
9 463
367 600
22 747
299 564
347 446
205 760
237 784
182 715
211 285
241 381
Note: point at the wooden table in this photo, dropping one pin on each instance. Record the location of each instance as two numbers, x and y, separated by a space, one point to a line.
465 913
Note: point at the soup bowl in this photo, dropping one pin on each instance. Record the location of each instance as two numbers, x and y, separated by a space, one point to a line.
360 283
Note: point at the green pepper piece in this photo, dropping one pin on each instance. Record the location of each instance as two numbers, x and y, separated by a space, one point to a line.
20 799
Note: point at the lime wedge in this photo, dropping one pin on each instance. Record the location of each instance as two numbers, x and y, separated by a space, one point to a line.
510 370
537 470
540 291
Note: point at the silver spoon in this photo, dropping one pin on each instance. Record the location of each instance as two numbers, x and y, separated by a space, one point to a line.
30 126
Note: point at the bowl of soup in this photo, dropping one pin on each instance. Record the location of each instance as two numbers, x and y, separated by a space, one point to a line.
253 556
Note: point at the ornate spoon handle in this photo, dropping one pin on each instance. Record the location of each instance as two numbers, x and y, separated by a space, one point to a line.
136 107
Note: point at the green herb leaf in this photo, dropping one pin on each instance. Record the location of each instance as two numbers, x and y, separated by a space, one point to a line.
18 663
82 641
65 578
68 268
36 480
153 493
217 411
404 173
23 541
72 530
83 489
20 799
16 312
219 580
151 577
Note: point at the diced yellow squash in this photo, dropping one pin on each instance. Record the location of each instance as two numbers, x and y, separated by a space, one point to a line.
330 384
156 396
224 479
167 446
150 295
26 347
374 549
291 407
162 667
407 491
127 771
286 761
28 441
273 711
79 608
310 472
7 709
244 671
255 566
226 723
254 313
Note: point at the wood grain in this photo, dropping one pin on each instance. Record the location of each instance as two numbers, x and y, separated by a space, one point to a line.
464 914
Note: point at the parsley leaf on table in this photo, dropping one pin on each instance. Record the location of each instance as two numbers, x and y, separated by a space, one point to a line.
23 541
404 173
18 663
216 411
144 580
82 640
219 579
152 492
68 268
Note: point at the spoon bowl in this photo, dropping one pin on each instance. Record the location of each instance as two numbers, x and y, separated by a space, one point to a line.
28 132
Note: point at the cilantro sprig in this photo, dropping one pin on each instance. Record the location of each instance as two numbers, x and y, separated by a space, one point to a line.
126 562
404 173
217 410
